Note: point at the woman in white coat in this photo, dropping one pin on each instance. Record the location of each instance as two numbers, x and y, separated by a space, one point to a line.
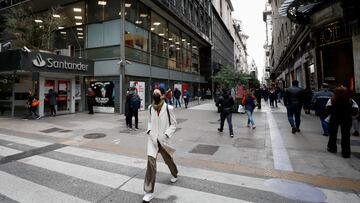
161 126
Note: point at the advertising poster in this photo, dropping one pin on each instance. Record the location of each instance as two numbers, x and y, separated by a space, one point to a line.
77 91
140 90
104 96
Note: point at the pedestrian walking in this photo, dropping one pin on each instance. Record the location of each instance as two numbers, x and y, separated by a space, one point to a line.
90 94
186 98
198 95
341 107
319 102
52 98
308 94
293 101
134 106
208 93
127 108
32 105
226 103
161 127
266 94
177 95
273 97
249 103
257 94
169 96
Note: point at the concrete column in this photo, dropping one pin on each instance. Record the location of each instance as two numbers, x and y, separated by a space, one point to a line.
356 54
41 95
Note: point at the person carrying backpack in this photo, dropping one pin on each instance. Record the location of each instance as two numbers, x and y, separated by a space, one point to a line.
134 105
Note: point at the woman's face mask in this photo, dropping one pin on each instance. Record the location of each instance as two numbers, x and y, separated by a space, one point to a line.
156 98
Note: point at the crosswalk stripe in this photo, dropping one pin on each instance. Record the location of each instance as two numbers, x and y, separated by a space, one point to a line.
5 151
105 178
219 177
25 191
182 194
25 141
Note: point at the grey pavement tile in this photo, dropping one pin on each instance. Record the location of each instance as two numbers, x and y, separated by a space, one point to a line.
51 130
4 199
204 149
249 143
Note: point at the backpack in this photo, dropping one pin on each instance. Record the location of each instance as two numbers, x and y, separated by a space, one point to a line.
135 102
167 110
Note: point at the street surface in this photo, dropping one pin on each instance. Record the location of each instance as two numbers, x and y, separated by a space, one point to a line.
50 160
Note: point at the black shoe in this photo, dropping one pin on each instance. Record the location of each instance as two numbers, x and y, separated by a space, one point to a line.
356 133
346 156
293 131
137 127
220 130
231 135
325 135
331 150
297 130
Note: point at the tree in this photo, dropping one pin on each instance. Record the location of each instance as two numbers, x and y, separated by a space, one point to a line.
228 77
19 25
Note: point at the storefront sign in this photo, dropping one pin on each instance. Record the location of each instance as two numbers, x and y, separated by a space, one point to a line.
104 96
51 63
333 33
140 90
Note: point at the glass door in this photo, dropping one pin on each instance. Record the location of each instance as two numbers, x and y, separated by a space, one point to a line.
64 102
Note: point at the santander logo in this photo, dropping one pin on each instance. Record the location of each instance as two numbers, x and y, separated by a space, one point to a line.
39 61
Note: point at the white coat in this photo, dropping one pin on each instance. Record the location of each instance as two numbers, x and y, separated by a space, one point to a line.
159 129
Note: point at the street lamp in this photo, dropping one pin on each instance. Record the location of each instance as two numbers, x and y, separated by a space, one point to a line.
122 62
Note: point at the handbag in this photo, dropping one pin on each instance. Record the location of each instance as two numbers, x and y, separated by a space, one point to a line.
241 109
35 103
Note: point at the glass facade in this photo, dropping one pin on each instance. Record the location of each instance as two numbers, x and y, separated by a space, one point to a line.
93 29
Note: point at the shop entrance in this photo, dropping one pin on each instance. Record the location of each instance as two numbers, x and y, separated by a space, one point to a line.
63 88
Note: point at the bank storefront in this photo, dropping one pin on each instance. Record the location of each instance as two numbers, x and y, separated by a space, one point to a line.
40 72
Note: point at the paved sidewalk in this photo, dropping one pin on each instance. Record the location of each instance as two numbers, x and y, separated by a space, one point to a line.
270 150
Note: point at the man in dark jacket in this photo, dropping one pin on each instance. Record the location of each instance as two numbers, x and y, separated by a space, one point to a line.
52 97
177 95
134 105
318 103
258 93
226 103
293 100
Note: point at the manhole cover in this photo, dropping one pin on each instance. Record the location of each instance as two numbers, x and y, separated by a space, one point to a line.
295 190
250 143
204 149
94 135
51 130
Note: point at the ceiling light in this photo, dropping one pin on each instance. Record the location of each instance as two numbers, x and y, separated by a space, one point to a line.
183 40
177 42
38 21
138 22
63 33
152 29
188 43
143 15
80 33
60 28
78 17
77 9
102 3
79 28
127 5
171 45
41 26
56 15
194 47
156 23
81 37
78 23
120 13
170 39
178 48
161 34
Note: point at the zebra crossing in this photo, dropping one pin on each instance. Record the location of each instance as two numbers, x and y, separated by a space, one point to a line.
72 174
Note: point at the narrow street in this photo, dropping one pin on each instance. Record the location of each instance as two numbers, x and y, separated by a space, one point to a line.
50 160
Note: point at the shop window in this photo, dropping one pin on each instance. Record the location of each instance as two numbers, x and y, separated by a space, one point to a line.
159 25
137 13
102 12
103 34
136 37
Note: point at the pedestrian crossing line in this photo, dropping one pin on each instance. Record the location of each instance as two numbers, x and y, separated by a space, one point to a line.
182 195
25 191
105 178
25 141
219 177
6 151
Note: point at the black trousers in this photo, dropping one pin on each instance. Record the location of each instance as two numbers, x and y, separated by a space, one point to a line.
228 116
131 114
52 110
259 103
345 124
90 102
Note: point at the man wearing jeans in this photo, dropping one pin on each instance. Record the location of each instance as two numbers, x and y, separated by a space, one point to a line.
293 101
318 103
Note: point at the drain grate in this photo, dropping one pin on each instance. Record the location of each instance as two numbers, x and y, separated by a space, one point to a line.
204 149
94 135
51 130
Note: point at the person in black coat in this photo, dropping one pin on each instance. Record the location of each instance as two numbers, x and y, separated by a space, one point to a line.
52 98
293 100
226 103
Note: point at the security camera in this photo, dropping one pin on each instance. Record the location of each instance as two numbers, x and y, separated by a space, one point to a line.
25 49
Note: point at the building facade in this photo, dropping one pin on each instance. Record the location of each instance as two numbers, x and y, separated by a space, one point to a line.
167 44
240 50
316 42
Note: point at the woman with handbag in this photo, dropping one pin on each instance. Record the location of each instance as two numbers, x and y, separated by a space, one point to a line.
32 104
